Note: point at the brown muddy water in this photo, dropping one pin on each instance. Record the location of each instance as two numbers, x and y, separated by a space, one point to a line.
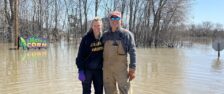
189 70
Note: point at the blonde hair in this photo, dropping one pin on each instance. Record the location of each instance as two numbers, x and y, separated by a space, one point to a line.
95 19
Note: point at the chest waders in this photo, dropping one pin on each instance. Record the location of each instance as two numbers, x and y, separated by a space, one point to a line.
115 68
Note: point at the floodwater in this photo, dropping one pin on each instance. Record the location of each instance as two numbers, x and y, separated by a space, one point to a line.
186 70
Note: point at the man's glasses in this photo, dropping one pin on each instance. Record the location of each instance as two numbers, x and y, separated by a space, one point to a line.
115 18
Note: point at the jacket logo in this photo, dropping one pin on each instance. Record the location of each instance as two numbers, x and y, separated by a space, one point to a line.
96 46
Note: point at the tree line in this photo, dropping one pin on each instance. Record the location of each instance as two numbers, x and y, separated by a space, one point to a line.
154 23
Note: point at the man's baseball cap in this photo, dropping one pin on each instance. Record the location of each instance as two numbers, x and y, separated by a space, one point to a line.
115 13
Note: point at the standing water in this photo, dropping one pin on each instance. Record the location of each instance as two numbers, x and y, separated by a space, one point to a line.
192 70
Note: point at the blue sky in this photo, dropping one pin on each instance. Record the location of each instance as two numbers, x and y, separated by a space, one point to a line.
207 10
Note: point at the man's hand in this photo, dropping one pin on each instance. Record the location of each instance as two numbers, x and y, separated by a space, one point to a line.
82 76
131 74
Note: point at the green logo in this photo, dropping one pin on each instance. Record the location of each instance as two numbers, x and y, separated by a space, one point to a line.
32 42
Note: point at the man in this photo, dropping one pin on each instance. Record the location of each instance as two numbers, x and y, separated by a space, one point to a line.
90 59
117 43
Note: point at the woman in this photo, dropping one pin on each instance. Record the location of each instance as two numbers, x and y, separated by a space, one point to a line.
90 59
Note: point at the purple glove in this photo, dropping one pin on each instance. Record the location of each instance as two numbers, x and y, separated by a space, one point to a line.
82 76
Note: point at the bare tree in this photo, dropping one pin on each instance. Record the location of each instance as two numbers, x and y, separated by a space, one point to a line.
157 21
9 17
157 11
80 15
131 13
123 6
85 14
96 6
16 23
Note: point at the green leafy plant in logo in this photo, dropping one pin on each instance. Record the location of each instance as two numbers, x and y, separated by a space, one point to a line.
22 43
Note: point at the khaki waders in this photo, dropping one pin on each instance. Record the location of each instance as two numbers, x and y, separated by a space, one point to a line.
115 68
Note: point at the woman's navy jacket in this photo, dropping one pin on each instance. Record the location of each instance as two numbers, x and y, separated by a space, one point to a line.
90 53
